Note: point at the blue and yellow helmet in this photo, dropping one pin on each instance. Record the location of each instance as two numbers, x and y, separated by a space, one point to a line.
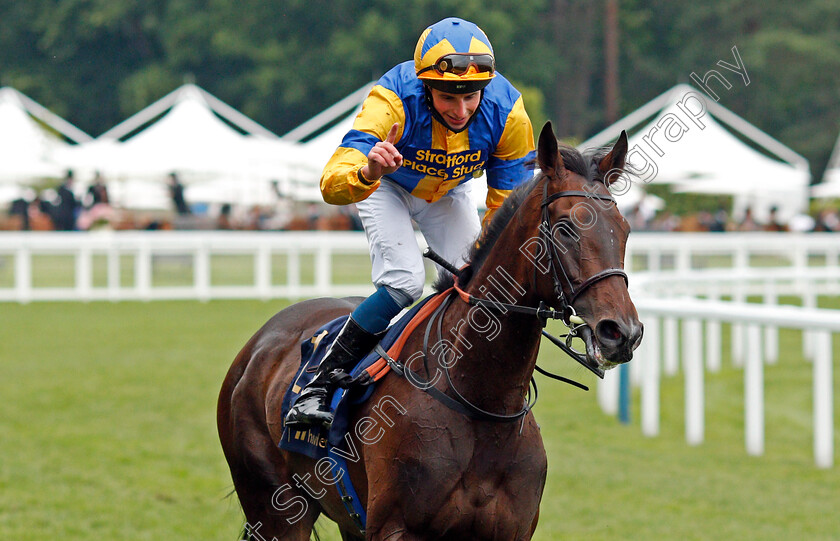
454 56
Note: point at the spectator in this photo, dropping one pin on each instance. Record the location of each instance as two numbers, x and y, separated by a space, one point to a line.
224 217
636 218
719 221
176 191
97 192
281 214
64 210
827 221
773 222
40 215
19 212
748 223
352 214
666 221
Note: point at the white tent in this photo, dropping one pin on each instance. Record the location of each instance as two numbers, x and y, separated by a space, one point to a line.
323 146
189 139
337 119
686 145
351 102
830 185
191 132
140 194
27 148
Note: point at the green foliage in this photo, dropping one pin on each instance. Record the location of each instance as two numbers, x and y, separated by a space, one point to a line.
534 102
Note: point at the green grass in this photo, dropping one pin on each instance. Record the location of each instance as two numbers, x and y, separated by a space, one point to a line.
107 431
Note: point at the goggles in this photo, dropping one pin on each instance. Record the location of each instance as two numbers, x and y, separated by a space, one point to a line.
460 63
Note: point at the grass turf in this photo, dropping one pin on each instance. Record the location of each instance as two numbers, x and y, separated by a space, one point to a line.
107 430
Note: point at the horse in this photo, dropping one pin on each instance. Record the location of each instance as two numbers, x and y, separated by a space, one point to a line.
465 459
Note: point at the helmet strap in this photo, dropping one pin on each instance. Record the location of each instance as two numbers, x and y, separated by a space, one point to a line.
437 116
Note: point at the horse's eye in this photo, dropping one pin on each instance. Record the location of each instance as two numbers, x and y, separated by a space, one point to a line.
564 230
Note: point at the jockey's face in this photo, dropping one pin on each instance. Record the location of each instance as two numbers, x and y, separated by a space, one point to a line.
456 109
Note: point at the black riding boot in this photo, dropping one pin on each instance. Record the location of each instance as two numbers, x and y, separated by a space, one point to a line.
352 343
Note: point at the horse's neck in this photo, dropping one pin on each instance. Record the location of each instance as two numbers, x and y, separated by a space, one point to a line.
498 350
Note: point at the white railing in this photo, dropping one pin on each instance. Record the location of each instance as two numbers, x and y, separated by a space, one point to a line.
680 266
700 324
685 251
141 250
666 271
196 250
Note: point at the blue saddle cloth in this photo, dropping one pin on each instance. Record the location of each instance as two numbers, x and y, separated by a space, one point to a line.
314 441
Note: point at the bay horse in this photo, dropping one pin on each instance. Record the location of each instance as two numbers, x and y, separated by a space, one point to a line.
431 472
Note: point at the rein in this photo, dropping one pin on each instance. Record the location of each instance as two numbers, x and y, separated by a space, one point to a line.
542 312
459 403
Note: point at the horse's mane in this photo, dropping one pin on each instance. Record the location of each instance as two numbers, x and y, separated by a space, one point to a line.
584 164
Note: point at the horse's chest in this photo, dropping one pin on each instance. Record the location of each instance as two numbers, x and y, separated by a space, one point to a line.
485 488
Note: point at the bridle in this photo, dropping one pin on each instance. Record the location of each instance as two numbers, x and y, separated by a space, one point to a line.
554 263
555 268
566 313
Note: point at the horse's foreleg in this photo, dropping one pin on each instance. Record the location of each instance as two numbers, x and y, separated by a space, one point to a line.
534 525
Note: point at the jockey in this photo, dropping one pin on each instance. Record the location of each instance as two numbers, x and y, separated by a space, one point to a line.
426 129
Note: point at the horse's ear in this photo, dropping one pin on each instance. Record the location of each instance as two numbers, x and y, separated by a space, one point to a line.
548 158
612 165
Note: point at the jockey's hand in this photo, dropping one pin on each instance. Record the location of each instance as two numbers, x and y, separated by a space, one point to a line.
383 158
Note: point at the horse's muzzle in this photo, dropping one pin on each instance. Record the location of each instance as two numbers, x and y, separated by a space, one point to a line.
616 340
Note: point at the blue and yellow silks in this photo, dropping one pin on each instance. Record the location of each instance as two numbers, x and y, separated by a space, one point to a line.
499 141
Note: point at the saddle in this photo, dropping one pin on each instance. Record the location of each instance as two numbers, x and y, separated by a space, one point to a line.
314 441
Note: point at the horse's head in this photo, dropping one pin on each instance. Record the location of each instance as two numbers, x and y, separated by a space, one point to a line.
584 238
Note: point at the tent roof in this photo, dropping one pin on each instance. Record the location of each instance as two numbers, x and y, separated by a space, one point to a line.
188 92
26 147
679 94
714 155
36 110
687 145
188 138
322 147
830 184
184 133
349 103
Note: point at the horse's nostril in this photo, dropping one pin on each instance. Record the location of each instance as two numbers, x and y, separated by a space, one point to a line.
609 333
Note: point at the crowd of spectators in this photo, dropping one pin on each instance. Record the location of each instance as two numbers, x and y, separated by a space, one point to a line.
60 209
825 220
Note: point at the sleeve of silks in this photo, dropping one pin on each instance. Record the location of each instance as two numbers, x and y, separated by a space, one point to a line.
512 163
342 181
